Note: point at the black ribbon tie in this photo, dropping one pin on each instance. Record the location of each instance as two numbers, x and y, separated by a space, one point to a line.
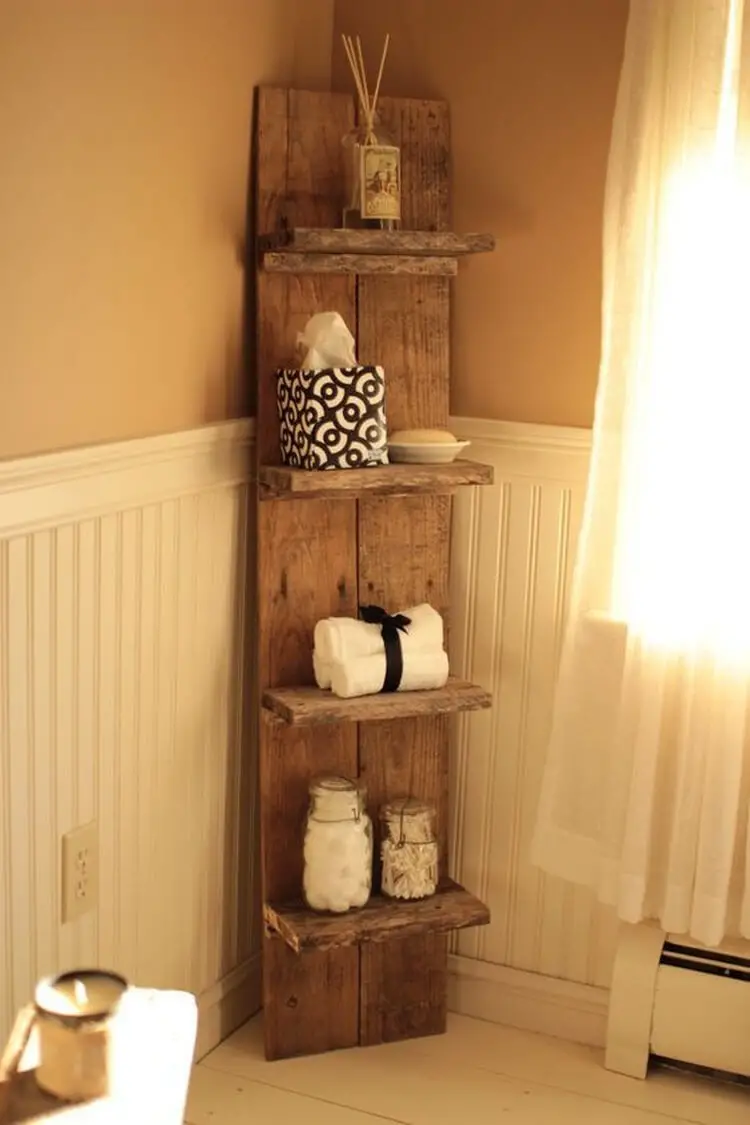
391 626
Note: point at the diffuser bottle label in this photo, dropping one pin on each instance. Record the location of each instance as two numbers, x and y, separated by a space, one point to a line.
380 180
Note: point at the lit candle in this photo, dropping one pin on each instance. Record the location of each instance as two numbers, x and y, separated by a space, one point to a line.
86 993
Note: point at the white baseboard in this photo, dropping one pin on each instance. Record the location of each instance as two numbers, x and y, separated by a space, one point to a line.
227 1005
562 1009
495 993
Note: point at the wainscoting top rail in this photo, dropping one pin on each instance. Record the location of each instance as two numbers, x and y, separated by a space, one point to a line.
56 488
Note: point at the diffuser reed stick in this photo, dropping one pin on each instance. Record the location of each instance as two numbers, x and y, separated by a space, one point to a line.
368 105
374 165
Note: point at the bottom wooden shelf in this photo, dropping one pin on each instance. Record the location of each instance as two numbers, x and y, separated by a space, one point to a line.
451 908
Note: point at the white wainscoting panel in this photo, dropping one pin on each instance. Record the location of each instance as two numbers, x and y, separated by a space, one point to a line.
122 618
513 552
123 611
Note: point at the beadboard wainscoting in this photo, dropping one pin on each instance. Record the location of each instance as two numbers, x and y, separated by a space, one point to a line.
122 615
123 611
513 553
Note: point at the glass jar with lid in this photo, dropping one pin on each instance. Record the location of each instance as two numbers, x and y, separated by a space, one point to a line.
338 846
409 848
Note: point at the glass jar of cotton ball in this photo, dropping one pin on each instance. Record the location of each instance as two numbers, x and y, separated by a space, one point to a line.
338 846
409 849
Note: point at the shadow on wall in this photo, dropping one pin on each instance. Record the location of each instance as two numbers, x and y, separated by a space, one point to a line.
532 86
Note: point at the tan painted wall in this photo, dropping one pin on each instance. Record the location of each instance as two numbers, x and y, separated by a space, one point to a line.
532 85
124 127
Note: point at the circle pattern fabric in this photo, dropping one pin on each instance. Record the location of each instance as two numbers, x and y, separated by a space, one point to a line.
333 418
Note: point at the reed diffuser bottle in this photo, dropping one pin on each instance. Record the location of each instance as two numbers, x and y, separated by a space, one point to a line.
372 160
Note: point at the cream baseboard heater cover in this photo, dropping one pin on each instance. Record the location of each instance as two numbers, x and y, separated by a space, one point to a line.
675 1000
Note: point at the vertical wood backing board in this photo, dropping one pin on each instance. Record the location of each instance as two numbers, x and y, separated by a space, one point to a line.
403 560
403 324
307 568
299 182
311 1003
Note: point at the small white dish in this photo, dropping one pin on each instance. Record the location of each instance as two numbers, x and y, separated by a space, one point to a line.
426 453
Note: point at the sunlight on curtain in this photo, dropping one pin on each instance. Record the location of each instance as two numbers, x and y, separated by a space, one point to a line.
647 786
682 568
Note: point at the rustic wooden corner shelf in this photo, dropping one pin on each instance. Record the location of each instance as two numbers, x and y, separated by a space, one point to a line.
383 919
429 253
330 541
306 706
279 481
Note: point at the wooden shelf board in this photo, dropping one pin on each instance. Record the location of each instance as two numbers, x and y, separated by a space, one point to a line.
412 243
279 481
290 261
383 919
307 706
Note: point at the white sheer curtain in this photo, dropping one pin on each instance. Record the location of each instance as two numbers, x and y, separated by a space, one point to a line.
646 792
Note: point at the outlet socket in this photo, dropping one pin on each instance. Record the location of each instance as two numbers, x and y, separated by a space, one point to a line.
80 871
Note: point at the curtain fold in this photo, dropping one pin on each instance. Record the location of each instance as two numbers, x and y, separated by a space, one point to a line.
646 790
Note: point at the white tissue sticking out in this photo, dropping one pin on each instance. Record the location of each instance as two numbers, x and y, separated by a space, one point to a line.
328 341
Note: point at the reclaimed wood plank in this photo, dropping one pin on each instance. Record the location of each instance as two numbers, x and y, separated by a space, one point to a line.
299 174
307 560
440 243
378 264
278 481
310 1007
404 556
306 568
403 560
382 919
309 706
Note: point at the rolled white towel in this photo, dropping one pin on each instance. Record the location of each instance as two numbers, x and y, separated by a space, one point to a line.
342 639
322 669
366 674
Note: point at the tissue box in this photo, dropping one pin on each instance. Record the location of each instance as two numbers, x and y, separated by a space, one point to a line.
332 418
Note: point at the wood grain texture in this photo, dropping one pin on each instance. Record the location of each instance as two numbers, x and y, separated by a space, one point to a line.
307 569
382 919
403 560
405 321
308 706
379 264
306 565
404 328
439 243
299 176
311 1006
403 989
404 546
279 481
404 555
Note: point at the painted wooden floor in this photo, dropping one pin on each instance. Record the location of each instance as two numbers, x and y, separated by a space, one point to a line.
478 1074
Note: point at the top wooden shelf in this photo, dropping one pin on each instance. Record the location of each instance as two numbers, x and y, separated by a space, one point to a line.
319 250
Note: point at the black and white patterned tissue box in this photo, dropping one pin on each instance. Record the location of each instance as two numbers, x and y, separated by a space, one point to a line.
332 418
